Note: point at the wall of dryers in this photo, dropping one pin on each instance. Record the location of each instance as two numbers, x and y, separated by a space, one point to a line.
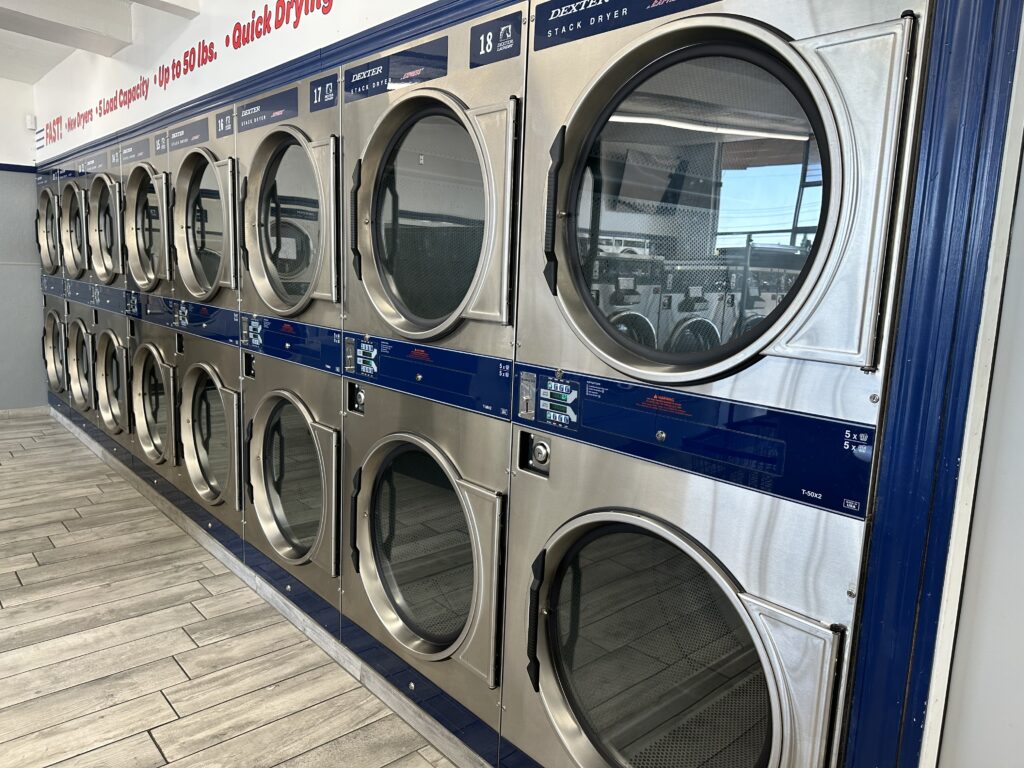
22 382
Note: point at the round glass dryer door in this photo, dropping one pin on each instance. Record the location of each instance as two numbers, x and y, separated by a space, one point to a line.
53 351
290 220
656 660
48 232
423 553
153 398
203 224
145 224
104 227
80 365
73 230
289 480
695 208
110 381
206 435
429 219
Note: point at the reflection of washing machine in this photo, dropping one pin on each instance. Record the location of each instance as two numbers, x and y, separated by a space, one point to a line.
423 561
100 177
292 426
112 375
80 357
210 420
652 620
432 162
205 192
287 146
74 241
753 164
147 192
48 222
55 345
154 386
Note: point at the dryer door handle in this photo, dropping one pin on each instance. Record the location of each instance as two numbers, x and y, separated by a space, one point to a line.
353 518
533 665
550 213
39 245
353 221
246 471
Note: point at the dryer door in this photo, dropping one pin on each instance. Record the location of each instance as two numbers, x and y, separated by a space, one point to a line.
111 378
210 435
153 395
80 365
290 223
431 204
54 351
715 171
106 228
426 545
74 241
204 217
293 469
146 226
48 232
645 653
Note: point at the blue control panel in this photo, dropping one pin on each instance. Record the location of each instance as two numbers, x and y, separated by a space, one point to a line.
79 292
310 345
812 460
53 285
158 310
109 298
214 323
472 382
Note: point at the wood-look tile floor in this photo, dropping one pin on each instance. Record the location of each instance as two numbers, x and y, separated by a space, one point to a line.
124 643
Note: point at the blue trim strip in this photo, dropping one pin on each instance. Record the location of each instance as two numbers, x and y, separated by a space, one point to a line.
422 21
969 80
15 168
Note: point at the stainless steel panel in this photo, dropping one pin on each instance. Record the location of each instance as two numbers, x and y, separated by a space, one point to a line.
472 451
487 102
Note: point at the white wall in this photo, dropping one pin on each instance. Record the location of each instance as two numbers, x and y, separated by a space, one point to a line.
17 143
81 81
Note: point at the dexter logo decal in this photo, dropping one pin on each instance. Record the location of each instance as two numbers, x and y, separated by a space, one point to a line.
506 32
372 72
569 10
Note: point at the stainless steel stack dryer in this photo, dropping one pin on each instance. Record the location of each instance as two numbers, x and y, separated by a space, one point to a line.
74 243
201 160
104 218
48 223
431 168
54 342
147 191
287 145
292 439
707 262
427 486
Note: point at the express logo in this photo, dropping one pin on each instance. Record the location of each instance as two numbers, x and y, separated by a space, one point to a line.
412 73
574 8
659 3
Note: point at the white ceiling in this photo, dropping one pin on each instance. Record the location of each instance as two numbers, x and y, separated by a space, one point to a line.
36 35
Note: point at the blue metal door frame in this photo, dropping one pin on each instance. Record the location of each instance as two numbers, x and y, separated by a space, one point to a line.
971 51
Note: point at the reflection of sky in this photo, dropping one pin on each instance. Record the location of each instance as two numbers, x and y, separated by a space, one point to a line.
763 198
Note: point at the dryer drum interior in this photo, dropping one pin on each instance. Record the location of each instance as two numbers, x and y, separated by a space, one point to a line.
80 365
53 351
696 193
153 403
110 381
207 437
429 215
74 241
656 660
48 232
423 550
147 230
104 227
291 243
289 484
